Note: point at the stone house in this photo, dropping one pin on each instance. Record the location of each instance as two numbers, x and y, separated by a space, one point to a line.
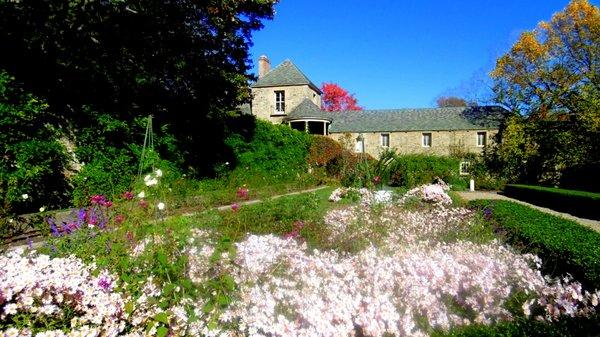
285 95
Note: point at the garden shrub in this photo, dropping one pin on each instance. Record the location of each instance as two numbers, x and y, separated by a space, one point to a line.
579 203
578 177
110 173
418 169
564 245
323 150
485 179
272 149
33 162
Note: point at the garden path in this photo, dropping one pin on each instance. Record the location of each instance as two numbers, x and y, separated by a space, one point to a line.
39 243
467 195
256 201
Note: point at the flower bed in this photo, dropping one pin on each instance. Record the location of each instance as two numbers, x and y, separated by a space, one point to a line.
385 268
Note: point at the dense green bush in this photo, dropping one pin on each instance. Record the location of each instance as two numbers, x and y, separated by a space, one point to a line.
485 179
580 203
578 177
110 173
33 161
272 150
417 169
564 245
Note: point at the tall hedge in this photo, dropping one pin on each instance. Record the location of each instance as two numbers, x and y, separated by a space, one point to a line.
416 169
271 149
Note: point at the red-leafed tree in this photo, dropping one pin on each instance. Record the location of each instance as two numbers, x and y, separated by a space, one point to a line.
336 98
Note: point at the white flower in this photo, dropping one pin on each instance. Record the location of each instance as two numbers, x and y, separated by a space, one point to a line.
141 194
11 220
152 182
160 206
147 178
25 196
42 209
158 173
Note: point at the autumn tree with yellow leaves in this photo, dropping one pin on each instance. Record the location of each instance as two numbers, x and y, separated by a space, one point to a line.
550 80
553 67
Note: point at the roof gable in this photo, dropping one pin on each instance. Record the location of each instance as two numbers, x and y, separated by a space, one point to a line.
285 74
433 119
307 109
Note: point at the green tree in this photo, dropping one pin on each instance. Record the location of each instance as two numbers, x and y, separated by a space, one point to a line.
102 65
553 68
32 159
550 76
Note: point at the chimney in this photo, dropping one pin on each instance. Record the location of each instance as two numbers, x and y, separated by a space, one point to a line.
264 66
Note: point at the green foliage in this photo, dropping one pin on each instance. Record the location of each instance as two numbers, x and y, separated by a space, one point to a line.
580 203
485 178
110 173
273 150
417 169
564 245
32 160
542 77
542 151
106 64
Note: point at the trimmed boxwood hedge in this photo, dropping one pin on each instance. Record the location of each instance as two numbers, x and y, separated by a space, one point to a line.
564 245
579 203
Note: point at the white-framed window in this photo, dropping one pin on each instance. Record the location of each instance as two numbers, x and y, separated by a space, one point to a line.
481 138
359 146
280 102
463 169
385 140
426 139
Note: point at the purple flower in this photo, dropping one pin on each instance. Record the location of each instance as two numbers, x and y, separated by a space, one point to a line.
104 283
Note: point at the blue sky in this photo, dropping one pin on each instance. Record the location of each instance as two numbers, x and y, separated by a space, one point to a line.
397 54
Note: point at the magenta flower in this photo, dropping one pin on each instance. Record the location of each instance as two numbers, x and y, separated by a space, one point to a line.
119 218
97 199
143 203
235 207
242 193
128 195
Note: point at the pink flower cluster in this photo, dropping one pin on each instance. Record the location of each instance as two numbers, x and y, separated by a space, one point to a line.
44 287
432 193
562 298
341 192
285 290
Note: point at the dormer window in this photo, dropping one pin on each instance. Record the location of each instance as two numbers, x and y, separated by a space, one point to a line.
280 102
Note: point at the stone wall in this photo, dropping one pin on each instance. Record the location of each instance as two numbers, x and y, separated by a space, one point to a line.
409 142
263 101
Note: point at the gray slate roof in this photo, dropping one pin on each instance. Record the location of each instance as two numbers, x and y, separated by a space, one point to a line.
308 110
283 75
432 119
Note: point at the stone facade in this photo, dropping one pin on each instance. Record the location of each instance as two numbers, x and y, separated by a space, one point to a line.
411 142
263 100
453 130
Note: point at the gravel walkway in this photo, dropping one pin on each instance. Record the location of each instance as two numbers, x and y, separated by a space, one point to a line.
593 224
